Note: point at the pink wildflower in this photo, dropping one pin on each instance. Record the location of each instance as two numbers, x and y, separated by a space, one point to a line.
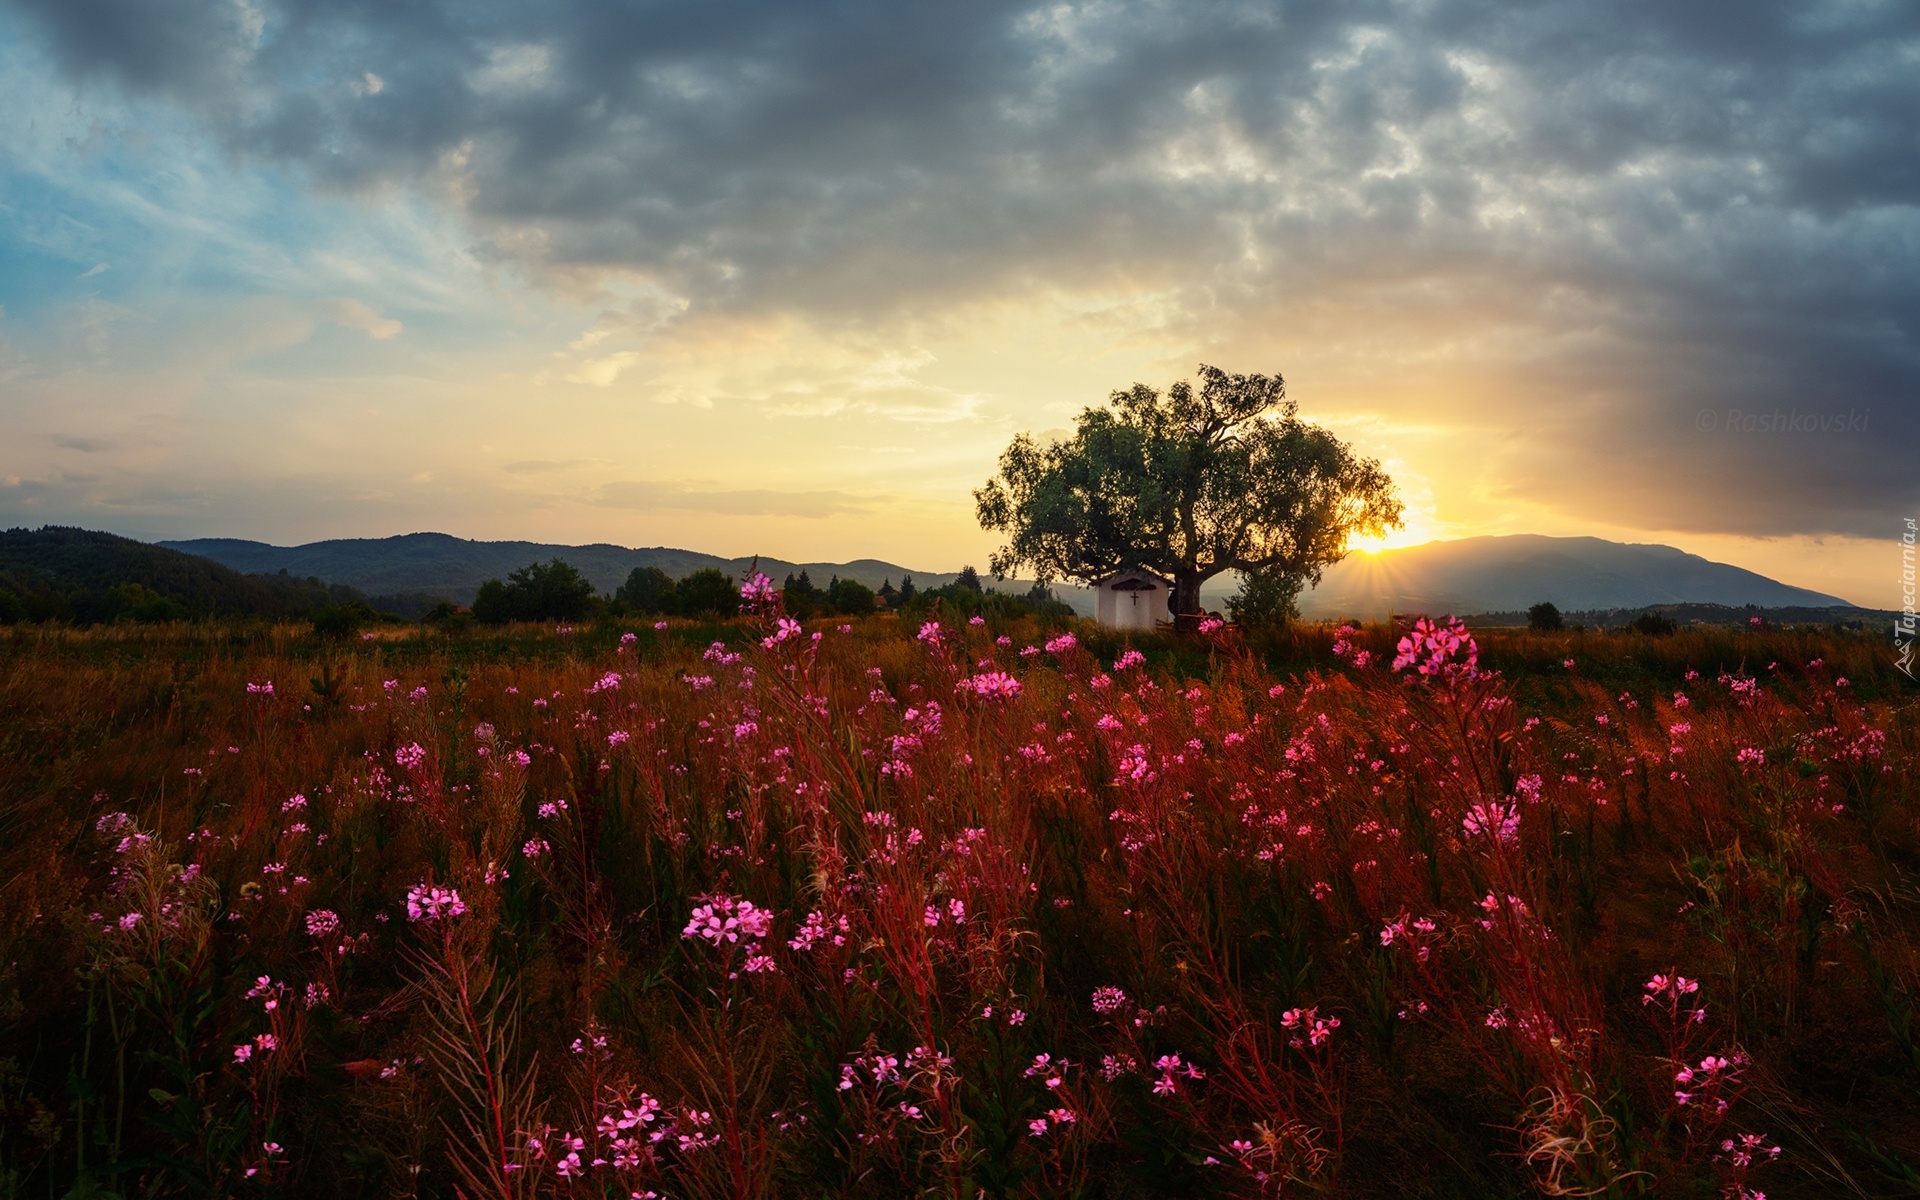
427 902
993 685
727 919
1430 646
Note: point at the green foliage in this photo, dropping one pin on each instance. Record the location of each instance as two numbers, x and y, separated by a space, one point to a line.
551 591
801 586
958 600
647 590
1041 602
492 604
1269 597
1187 483
1653 625
63 574
968 579
850 596
1544 617
707 593
139 604
800 596
344 620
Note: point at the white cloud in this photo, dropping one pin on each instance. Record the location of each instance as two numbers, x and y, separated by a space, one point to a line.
602 372
648 495
357 314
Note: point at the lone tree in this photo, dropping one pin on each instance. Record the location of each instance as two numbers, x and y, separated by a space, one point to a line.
647 590
536 592
1186 483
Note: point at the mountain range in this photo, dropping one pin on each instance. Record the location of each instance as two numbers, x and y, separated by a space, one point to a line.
1495 574
455 567
83 576
1468 575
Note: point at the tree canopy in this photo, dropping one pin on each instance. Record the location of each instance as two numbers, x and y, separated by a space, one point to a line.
647 590
552 591
64 574
1186 483
707 593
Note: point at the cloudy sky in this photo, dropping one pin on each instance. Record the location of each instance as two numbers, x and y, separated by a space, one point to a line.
742 276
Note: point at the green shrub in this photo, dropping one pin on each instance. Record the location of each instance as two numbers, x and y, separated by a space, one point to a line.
1266 598
552 591
850 596
134 602
343 620
706 593
647 590
1653 625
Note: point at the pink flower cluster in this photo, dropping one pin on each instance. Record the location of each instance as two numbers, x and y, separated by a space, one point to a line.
1109 1000
1308 1027
429 902
728 919
1431 646
787 629
819 928
1170 1068
1715 1073
757 591
1494 820
997 685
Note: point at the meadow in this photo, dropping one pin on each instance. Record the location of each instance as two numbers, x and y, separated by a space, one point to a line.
851 908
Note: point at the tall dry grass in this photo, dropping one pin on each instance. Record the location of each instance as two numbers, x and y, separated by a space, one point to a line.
854 912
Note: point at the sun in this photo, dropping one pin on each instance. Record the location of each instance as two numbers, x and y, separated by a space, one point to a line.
1416 533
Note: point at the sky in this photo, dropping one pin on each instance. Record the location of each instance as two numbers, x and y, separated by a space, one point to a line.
785 278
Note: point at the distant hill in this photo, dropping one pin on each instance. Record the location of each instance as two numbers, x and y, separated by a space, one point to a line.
79 575
455 567
1504 574
1471 575
1847 616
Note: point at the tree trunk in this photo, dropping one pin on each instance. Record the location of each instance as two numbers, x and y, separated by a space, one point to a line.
1185 601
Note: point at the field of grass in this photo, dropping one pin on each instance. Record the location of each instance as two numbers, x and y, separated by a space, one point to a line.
862 910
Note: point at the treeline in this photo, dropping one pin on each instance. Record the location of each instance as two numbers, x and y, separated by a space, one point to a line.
84 577
556 591
1661 619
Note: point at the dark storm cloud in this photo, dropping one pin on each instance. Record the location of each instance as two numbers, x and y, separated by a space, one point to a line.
1673 208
